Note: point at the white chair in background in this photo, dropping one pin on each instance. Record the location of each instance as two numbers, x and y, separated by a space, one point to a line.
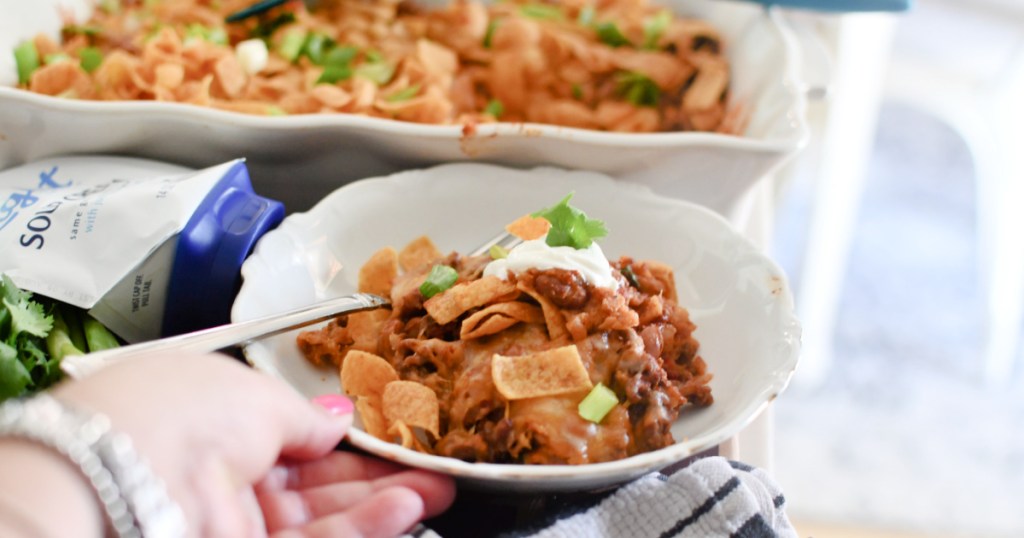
987 110
845 131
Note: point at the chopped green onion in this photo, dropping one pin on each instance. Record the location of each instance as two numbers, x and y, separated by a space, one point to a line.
374 56
570 227
274 110
441 277
598 403
76 29
404 94
379 72
655 27
72 316
577 92
316 47
341 56
637 89
55 57
609 34
97 336
586 16
27 59
290 46
213 35
541 11
627 272
495 108
334 73
59 342
489 34
91 58
498 252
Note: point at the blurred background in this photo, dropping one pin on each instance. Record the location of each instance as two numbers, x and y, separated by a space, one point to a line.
899 230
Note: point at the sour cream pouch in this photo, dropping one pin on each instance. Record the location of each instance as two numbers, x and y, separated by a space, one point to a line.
150 249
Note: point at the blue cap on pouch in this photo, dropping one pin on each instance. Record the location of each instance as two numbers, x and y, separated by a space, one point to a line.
211 249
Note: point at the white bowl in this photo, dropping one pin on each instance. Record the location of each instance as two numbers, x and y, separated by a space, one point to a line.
299 159
737 297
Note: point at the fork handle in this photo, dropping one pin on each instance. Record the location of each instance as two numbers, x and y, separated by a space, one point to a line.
224 336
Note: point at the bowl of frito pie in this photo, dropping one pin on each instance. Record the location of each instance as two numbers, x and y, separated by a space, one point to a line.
624 332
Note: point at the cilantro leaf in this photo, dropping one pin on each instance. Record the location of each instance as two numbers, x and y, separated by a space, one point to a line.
28 317
11 292
571 227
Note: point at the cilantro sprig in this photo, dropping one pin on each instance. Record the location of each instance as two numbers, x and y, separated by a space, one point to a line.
24 326
571 227
36 334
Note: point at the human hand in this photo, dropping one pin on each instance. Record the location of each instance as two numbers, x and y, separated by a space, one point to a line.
232 444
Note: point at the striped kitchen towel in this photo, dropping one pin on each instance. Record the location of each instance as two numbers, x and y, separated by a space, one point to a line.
711 497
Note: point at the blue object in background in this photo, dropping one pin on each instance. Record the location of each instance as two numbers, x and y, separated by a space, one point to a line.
211 248
839 6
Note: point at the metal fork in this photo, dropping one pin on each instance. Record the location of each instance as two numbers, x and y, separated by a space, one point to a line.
241 333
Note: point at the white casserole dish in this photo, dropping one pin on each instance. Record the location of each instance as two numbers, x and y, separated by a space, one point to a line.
299 159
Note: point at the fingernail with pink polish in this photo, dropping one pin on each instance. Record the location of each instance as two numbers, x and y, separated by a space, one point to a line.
335 404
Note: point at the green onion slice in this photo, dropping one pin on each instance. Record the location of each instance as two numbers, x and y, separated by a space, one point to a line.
627 272
637 89
91 58
379 72
404 94
317 47
290 46
609 34
598 403
341 55
542 12
27 59
441 277
495 108
655 27
489 34
334 73
498 252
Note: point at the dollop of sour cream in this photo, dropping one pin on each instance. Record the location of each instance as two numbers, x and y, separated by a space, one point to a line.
536 254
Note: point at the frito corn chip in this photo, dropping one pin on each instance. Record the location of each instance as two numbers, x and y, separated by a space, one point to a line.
528 227
545 373
451 303
364 328
379 272
404 432
365 374
372 417
497 318
417 253
553 317
412 403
